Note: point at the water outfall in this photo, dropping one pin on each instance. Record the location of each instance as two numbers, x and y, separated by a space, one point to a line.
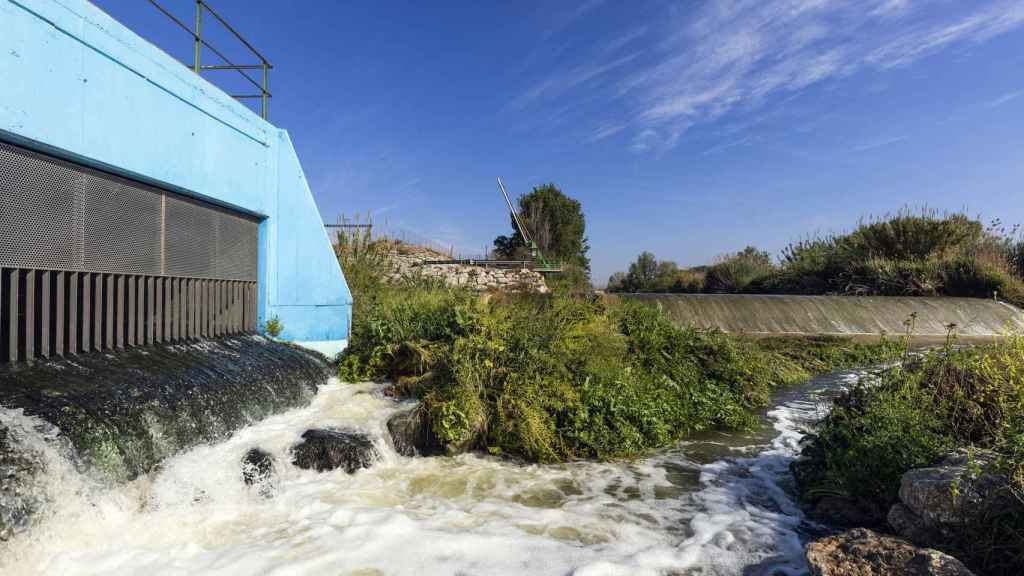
115 416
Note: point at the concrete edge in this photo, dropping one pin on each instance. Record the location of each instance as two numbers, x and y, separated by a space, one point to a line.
329 348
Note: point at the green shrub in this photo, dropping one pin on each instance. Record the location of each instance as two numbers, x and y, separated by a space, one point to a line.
689 281
910 236
917 413
734 272
273 327
905 254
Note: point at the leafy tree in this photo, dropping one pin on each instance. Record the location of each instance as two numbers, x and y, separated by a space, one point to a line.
555 222
617 282
643 273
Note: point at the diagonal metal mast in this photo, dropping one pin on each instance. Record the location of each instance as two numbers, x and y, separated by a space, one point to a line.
515 215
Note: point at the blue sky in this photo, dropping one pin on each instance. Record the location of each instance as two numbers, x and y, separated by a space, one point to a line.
685 128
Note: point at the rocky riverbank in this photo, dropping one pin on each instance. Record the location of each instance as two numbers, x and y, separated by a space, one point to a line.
928 454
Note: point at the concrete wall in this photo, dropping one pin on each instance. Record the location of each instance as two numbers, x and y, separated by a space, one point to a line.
761 315
76 83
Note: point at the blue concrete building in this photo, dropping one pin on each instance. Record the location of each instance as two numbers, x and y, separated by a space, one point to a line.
78 86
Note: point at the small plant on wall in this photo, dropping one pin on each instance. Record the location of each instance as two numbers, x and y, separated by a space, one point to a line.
273 327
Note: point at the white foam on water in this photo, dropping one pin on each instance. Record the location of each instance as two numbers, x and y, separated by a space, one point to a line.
469 514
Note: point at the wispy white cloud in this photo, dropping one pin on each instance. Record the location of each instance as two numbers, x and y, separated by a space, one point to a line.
697 64
1004 99
606 131
889 8
878 143
565 80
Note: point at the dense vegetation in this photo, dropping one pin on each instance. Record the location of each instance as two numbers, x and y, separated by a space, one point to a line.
920 411
907 254
554 378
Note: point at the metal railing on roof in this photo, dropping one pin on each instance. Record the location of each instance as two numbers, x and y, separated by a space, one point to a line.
202 6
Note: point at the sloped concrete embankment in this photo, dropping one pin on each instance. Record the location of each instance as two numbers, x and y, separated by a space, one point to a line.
115 416
856 316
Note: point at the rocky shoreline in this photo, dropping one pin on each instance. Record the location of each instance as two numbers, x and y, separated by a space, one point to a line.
921 533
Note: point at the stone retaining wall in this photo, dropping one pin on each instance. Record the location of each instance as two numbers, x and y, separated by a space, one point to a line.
411 262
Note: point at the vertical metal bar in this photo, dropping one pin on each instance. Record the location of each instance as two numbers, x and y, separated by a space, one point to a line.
192 309
231 307
132 281
119 311
30 314
248 307
110 311
97 333
223 307
216 308
183 318
229 316
175 297
238 307
244 287
86 325
183 310
58 338
198 36
203 309
252 309
264 110
44 314
13 279
179 310
194 316
150 310
74 326
158 320
140 310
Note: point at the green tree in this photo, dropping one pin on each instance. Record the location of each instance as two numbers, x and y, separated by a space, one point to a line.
643 273
555 222
617 282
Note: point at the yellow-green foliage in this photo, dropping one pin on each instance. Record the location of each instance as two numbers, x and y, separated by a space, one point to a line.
554 378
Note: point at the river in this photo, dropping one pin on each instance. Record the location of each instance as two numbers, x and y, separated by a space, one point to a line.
716 504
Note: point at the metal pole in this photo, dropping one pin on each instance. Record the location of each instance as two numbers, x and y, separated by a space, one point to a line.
266 82
198 36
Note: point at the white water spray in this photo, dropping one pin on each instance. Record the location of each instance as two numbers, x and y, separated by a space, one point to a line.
717 505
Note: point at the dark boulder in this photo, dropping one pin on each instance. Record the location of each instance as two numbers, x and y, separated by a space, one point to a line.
257 467
325 449
411 434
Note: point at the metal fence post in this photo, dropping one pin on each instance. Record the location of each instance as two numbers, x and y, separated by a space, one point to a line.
198 36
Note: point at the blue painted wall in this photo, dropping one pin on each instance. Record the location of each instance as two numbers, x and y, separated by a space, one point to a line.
75 82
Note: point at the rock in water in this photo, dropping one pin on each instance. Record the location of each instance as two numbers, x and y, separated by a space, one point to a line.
257 467
861 552
325 449
411 434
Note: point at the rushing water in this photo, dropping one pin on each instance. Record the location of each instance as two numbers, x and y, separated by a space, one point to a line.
720 504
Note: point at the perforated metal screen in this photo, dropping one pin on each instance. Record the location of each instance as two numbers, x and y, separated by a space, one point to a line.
57 215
